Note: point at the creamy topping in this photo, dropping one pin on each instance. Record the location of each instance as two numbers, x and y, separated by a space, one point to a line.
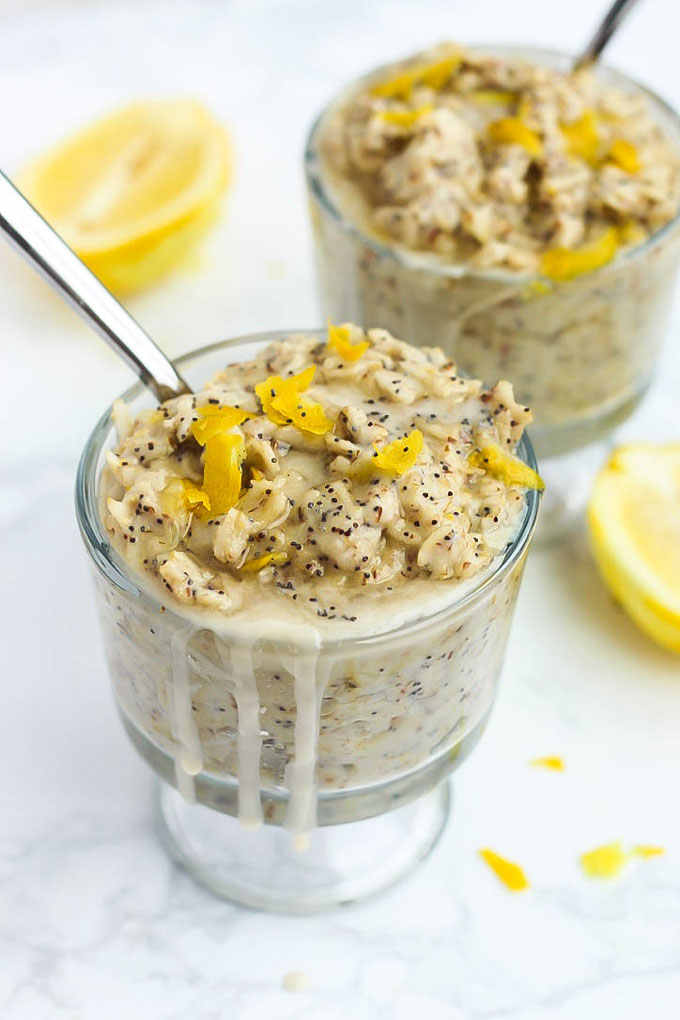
498 162
317 480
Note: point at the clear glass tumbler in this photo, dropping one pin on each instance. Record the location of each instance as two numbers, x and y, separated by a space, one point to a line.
580 353
350 740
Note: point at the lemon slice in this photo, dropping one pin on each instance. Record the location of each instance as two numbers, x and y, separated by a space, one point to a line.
133 192
634 520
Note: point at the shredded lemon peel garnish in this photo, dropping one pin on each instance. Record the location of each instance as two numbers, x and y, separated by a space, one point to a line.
605 861
214 419
283 404
224 455
405 118
624 155
399 456
566 263
506 468
304 414
260 562
646 850
492 97
512 131
583 138
181 494
339 341
434 75
510 874
551 761
609 860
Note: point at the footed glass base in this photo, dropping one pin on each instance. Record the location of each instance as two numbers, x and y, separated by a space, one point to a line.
264 868
568 479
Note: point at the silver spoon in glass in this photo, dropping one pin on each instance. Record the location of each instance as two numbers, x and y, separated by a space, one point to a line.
28 232
604 31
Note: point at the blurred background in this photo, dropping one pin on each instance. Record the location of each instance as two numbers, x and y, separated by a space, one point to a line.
93 918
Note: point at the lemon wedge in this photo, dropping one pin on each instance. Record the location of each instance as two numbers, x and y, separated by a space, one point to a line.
634 521
132 193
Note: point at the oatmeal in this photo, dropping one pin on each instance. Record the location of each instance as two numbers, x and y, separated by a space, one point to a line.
328 491
493 204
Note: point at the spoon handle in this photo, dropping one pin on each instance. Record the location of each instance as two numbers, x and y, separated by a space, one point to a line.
604 31
28 232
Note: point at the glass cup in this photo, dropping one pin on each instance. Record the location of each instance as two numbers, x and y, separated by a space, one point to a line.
294 730
580 353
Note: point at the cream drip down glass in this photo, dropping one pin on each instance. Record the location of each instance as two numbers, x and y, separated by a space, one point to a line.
580 351
299 766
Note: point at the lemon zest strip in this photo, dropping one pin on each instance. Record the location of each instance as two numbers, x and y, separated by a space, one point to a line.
274 385
224 454
260 562
582 137
553 762
507 469
512 131
605 861
511 875
624 155
435 75
645 850
492 97
405 118
400 455
566 263
213 420
339 341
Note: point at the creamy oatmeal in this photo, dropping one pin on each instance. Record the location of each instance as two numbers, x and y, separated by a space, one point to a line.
328 491
504 198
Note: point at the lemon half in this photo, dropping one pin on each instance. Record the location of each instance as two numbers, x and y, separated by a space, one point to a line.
634 520
133 192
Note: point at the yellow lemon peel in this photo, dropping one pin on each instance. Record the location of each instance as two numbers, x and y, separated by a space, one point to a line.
339 341
553 762
181 494
492 97
434 75
511 875
405 118
583 138
631 232
512 131
605 861
506 468
304 414
566 263
195 497
645 850
282 403
260 562
216 419
224 454
399 456
274 386
624 155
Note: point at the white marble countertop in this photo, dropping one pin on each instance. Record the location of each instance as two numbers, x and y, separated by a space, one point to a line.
95 923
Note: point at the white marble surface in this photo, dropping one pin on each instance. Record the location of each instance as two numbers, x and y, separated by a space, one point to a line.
95 923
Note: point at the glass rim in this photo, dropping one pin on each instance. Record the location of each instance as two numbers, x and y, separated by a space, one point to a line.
114 568
436 264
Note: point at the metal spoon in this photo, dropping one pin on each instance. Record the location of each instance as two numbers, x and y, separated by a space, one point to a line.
28 232
604 31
